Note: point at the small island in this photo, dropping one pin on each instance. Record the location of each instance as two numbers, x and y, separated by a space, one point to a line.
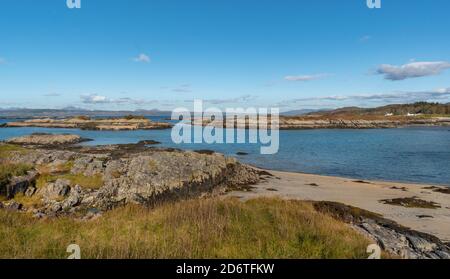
86 123
391 116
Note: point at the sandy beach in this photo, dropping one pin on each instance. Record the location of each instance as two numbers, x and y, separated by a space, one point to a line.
363 194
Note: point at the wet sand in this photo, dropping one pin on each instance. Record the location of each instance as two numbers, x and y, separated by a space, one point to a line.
363 194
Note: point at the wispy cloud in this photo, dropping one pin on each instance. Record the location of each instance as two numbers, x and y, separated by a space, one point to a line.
239 100
2 60
142 58
412 70
305 77
52 95
442 94
184 88
365 38
94 99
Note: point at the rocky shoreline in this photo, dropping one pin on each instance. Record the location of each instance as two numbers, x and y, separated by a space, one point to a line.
311 122
76 180
86 123
48 139
284 123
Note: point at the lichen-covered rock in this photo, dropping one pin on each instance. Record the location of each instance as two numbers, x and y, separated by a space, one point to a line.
130 174
74 198
391 237
47 139
56 190
13 206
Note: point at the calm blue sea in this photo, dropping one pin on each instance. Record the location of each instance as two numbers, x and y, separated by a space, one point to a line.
414 154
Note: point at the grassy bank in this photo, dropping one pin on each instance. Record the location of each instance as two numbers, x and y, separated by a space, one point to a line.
211 228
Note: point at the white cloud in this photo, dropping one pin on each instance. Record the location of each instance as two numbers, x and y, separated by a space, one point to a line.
305 77
442 94
412 70
142 58
443 90
94 99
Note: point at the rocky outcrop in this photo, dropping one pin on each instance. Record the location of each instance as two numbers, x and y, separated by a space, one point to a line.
85 123
47 139
20 184
392 237
310 122
127 174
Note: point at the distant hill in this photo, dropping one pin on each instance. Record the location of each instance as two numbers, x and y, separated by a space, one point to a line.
302 112
399 109
73 111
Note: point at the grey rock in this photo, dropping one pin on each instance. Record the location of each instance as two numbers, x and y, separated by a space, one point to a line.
136 174
55 207
391 237
46 139
20 184
89 165
74 198
30 191
60 188
39 215
13 206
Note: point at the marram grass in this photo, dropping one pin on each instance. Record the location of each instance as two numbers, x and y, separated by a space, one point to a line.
200 228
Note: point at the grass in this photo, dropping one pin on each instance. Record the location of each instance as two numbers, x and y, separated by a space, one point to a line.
200 228
7 171
87 182
7 149
34 201
59 169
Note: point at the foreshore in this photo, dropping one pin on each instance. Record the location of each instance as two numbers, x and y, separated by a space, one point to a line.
45 180
242 122
367 195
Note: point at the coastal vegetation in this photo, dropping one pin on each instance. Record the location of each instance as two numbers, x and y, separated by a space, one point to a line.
198 228
413 202
423 108
86 182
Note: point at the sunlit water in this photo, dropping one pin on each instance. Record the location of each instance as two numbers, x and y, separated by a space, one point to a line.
415 154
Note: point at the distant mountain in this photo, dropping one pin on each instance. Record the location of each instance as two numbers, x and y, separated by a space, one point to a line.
74 111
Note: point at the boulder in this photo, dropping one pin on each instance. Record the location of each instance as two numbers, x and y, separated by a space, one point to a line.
13 206
20 184
74 198
53 191
30 191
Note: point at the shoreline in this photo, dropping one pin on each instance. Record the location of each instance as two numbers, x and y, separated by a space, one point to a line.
83 183
364 194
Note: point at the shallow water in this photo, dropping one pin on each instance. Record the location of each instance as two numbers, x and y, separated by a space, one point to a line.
414 154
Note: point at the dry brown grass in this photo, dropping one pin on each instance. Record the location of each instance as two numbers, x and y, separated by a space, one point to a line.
201 228
88 182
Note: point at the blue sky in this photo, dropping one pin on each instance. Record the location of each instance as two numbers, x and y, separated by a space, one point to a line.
143 54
